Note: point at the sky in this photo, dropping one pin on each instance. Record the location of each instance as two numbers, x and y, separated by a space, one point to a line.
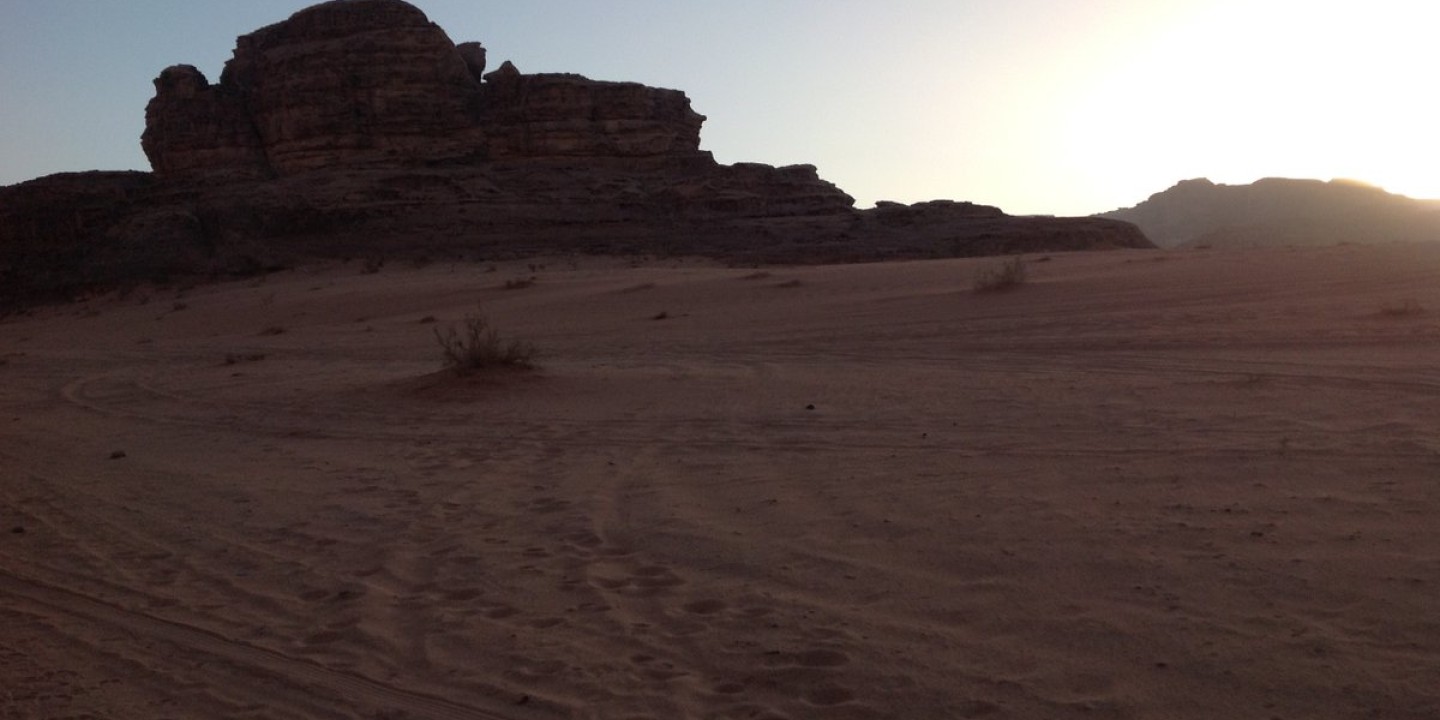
1064 107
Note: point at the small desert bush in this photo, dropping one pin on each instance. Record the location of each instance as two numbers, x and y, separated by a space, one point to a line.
1005 276
473 345
519 283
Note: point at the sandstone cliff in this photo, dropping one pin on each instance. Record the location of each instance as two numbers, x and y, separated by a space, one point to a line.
1280 211
357 127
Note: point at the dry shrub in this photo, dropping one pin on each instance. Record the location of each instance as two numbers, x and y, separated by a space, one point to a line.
998 278
473 345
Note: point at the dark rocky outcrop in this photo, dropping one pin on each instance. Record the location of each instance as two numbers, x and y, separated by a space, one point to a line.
1280 211
357 127
193 130
340 83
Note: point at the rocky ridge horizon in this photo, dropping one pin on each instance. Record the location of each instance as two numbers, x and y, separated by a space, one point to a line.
357 128
1280 211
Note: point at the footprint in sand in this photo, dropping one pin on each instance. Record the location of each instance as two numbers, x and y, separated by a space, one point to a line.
808 659
647 581
977 709
654 576
827 695
822 658
704 607
463 594
496 611
656 669
528 669
584 539
324 637
546 506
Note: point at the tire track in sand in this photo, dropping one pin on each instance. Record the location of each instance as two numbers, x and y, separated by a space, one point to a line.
302 676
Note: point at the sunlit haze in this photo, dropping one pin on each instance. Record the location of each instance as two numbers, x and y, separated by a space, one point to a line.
1037 106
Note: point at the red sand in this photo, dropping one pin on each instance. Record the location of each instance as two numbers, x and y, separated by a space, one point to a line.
1143 485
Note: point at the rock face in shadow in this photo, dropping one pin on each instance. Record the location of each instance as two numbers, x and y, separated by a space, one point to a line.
194 129
357 127
1280 211
557 115
374 82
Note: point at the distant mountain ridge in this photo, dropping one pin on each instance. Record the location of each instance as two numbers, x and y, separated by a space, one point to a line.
1280 211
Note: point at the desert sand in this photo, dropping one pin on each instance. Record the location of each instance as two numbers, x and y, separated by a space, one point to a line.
1145 484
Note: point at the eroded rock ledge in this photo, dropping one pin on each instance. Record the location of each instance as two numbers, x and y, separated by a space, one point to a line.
357 127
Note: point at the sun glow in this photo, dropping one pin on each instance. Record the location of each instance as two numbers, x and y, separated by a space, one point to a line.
1238 91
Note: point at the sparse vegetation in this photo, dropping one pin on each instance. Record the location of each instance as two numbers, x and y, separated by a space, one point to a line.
473 345
790 284
273 330
998 278
519 283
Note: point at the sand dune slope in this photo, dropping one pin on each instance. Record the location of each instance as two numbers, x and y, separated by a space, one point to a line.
1143 485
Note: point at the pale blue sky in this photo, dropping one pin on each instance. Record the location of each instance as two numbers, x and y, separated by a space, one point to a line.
1038 106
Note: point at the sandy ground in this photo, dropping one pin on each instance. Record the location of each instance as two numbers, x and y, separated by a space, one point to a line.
1197 484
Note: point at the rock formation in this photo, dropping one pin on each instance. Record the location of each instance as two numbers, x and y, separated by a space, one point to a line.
194 129
366 82
358 127
1280 211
